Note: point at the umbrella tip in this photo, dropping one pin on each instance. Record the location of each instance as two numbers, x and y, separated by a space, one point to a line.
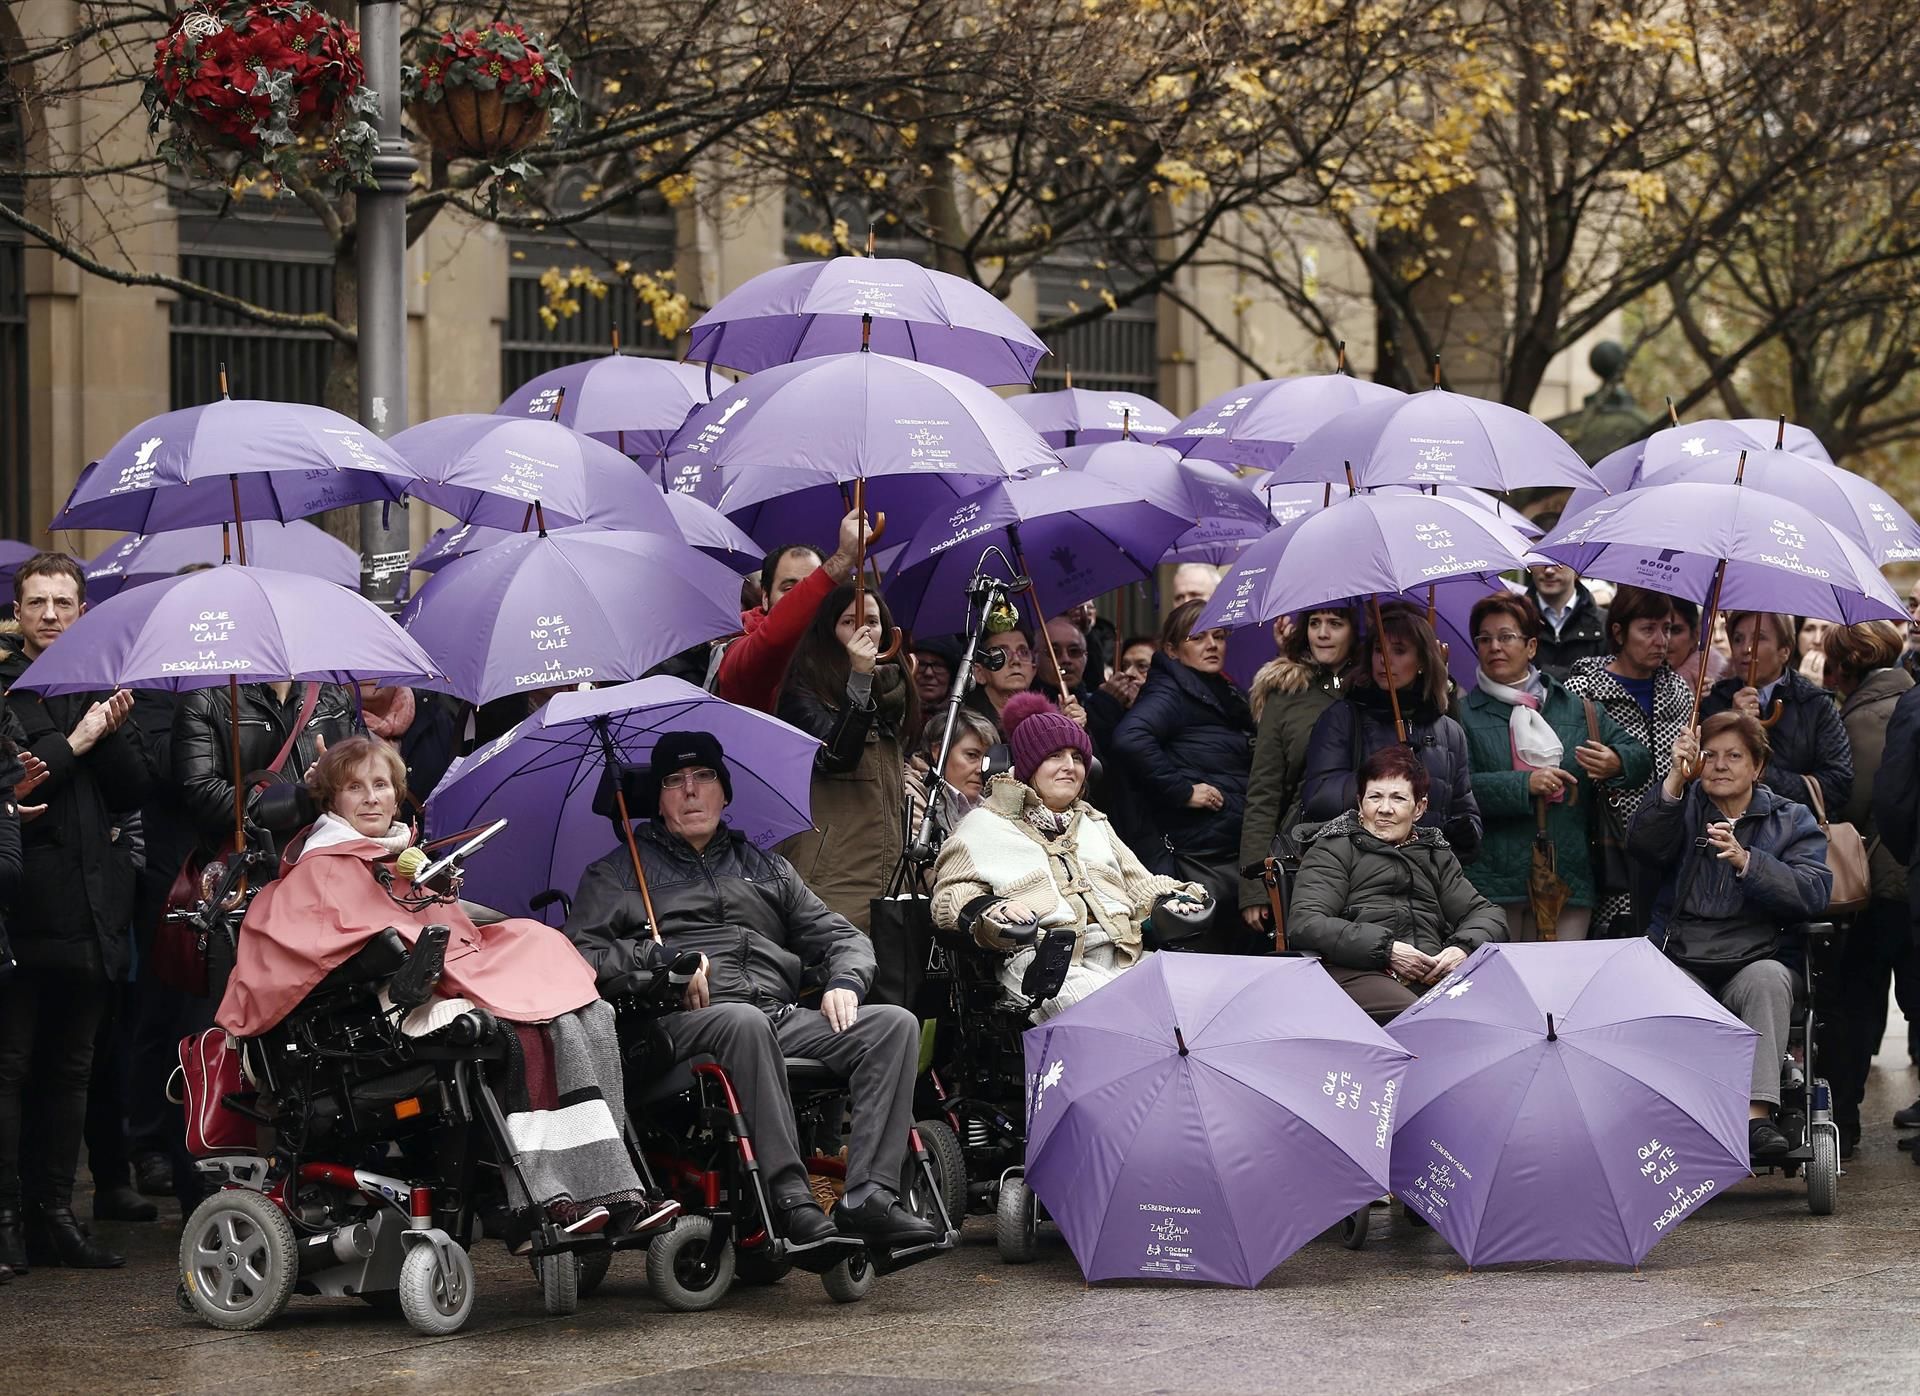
1181 1041
1340 364
1552 1036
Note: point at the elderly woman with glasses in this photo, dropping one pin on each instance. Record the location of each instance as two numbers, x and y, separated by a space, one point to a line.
1535 762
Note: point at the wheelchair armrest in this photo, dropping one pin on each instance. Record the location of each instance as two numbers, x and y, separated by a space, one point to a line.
1816 930
376 960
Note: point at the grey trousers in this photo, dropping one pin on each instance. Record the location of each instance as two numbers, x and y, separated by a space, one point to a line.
1761 996
877 1056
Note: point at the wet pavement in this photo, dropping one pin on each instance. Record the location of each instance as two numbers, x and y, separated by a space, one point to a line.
1751 1294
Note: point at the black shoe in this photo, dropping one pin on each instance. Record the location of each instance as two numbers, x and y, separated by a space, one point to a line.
123 1204
6 1274
1764 1141
804 1224
882 1218
1908 1118
153 1175
13 1245
1849 1137
55 1237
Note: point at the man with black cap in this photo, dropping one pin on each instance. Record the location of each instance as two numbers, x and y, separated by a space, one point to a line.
756 925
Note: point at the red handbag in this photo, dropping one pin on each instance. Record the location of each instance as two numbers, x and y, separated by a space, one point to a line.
210 1065
178 954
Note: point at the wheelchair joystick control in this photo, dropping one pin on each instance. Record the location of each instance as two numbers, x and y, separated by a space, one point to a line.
414 982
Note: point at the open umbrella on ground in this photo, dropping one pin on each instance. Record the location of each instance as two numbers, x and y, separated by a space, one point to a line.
1259 424
298 546
630 402
1226 513
1439 438
509 472
231 460
225 625
540 611
1571 1101
1085 417
1074 536
810 309
545 774
1203 1117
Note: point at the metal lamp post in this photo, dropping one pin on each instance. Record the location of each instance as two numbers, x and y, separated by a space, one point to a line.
381 227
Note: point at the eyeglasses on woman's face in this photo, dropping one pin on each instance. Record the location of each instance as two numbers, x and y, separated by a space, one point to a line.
1506 639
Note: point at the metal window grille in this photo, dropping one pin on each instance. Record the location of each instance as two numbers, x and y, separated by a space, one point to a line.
1119 352
282 263
16 499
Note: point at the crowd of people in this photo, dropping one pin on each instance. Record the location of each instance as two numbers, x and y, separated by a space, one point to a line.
1108 794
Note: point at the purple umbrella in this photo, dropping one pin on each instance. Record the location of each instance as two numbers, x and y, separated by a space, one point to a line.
1689 443
1226 514
1439 438
1083 417
1202 1117
12 554
1569 1102
508 472
704 528
1855 507
627 401
1076 537
298 546
1765 553
543 775
1259 424
811 309
1613 474
233 459
1478 499
776 507
544 611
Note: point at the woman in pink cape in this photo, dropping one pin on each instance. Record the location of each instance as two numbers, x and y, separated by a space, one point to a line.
338 890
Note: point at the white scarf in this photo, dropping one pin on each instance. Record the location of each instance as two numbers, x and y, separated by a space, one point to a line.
330 829
1535 744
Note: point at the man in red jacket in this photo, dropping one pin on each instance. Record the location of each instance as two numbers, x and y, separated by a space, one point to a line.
793 582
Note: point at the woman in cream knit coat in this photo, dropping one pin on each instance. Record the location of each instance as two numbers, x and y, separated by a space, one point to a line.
1034 852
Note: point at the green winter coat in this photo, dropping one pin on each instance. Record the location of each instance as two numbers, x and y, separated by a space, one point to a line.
1354 896
1506 809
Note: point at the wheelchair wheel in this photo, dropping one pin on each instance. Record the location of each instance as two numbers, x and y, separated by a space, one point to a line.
1823 1172
237 1260
593 1269
677 1268
949 1171
436 1289
1016 1222
1354 1229
559 1276
849 1281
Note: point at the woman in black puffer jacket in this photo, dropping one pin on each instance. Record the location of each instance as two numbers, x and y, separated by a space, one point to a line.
1187 743
1352 729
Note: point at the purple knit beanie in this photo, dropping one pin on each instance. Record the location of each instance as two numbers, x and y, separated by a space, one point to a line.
1036 729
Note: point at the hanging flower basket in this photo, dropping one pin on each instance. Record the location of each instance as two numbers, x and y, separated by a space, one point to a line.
272 85
488 93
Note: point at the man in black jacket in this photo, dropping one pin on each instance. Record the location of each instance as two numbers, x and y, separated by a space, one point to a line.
1575 624
69 927
202 746
756 928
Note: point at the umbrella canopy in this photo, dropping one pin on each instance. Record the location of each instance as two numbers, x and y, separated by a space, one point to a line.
1568 1102
12 554
1225 512
1259 424
298 546
627 401
1365 545
1478 499
1854 506
492 471
857 416
1692 442
250 623
1203 1117
234 459
551 610
1075 536
777 507
1439 438
1771 553
543 775
703 527
1084 417
810 309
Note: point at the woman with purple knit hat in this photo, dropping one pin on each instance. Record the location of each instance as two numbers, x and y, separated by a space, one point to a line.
1035 856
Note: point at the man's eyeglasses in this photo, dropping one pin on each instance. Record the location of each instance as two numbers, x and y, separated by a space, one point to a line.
698 775
1503 638
1019 655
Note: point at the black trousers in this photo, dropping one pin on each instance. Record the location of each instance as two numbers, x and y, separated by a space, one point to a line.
48 1022
1878 947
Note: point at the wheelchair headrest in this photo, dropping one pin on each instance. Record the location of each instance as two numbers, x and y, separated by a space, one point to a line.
636 782
283 809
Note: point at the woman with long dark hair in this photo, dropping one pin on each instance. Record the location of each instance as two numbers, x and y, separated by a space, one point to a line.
865 712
